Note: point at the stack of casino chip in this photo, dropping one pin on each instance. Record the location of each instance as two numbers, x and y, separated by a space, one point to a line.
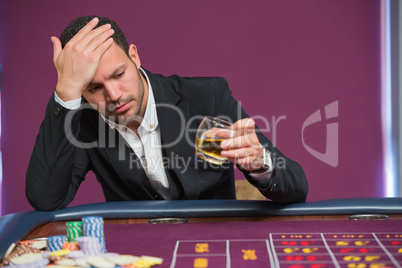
89 245
93 227
74 230
54 243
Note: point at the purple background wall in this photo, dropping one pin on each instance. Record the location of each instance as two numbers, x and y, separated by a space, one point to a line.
284 60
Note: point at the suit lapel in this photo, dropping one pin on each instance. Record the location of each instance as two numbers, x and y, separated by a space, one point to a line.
173 114
124 161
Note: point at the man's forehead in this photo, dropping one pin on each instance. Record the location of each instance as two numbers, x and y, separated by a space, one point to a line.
114 52
113 60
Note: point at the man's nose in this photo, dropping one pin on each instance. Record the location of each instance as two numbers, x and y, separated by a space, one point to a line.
112 92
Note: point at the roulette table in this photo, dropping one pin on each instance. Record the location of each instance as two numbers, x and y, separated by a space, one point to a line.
358 232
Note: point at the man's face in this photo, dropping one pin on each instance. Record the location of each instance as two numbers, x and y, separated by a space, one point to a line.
117 89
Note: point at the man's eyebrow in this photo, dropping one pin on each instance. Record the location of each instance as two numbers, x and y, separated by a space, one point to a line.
118 69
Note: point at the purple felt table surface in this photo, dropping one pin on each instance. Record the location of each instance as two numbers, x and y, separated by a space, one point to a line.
295 244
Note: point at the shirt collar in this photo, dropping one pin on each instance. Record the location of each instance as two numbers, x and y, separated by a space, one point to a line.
150 121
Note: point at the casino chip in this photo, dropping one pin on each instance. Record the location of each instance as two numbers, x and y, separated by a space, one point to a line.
26 258
71 246
82 246
55 242
82 263
124 259
153 260
99 262
20 248
76 254
74 230
67 262
89 245
59 253
38 243
38 263
93 227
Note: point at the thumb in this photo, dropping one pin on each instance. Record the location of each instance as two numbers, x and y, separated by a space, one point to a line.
56 48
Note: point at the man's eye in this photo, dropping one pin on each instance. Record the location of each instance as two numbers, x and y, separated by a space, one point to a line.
93 89
119 75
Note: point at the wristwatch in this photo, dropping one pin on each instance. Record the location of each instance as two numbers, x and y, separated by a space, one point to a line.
266 162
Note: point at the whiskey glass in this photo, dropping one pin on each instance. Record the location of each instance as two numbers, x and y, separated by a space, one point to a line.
210 134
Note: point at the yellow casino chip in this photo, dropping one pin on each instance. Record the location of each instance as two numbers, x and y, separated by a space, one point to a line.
59 253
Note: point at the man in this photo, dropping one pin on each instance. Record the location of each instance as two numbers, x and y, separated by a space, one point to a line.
135 130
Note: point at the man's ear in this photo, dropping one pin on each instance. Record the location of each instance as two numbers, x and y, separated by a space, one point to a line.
132 51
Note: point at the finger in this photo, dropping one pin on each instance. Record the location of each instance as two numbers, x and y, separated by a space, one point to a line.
240 153
92 35
243 127
223 133
100 40
89 38
245 123
56 48
236 142
85 30
248 160
104 46
244 141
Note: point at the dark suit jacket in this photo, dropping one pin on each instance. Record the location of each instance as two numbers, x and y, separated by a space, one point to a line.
71 143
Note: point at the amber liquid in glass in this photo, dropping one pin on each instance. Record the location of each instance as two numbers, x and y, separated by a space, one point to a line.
210 149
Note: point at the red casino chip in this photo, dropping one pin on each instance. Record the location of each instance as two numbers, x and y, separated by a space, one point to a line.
71 246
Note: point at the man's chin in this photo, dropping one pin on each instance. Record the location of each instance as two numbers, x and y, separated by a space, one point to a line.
124 120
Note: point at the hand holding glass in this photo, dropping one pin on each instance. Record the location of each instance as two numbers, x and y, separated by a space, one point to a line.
211 132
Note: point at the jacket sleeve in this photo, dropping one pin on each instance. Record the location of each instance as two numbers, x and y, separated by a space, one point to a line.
57 165
288 183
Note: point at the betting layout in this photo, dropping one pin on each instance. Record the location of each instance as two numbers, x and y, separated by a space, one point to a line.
314 250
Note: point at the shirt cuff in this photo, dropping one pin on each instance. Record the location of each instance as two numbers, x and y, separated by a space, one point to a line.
264 177
71 105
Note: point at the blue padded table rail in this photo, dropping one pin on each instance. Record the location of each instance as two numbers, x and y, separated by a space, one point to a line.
16 226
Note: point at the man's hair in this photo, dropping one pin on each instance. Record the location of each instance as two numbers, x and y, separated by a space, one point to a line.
76 25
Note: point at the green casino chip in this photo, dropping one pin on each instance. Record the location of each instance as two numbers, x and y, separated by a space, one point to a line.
74 230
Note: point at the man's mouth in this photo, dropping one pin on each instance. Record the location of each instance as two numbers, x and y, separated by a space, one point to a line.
121 108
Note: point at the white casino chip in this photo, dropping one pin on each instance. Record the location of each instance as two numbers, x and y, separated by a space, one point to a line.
82 263
67 262
124 259
99 262
26 258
